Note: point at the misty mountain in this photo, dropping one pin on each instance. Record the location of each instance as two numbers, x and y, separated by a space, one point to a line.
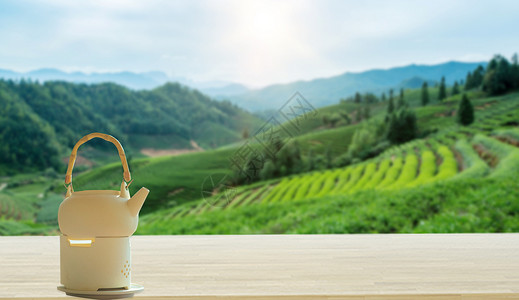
325 91
135 81
416 82
320 92
225 91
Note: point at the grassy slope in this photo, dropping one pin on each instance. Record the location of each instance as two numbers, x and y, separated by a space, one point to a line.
477 203
166 175
463 205
172 180
470 205
176 180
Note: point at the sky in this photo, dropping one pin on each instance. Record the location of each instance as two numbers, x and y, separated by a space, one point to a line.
255 43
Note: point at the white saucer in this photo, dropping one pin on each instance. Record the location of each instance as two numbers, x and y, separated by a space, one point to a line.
104 294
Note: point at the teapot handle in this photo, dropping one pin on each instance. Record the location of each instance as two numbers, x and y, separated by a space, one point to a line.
106 137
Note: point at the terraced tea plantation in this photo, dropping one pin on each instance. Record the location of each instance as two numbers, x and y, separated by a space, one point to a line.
446 157
455 179
455 157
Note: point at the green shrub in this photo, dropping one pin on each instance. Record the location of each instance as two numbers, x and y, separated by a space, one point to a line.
342 179
427 169
294 185
392 173
369 171
354 177
303 189
236 200
408 173
11 227
284 187
508 156
462 206
255 195
510 133
449 166
474 165
279 188
383 167
329 182
316 186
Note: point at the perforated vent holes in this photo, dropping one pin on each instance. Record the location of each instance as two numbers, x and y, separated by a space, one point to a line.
126 269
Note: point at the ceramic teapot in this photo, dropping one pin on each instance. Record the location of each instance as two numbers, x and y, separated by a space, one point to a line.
96 226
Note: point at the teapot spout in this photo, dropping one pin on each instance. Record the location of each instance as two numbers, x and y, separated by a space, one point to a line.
135 203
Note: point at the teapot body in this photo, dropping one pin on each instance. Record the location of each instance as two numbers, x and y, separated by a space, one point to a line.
97 213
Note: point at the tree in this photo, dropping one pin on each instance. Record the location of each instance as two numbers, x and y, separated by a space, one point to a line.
346 117
425 94
288 160
401 101
477 76
358 98
328 157
370 98
465 114
268 170
515 71
367 112
358 115
402 127
391 95
499 76
326 120
333 120
468 81
383 97
474 79
442 94
455 88
362 141
390 106
311 160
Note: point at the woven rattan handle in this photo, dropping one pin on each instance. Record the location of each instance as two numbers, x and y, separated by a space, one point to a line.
106 137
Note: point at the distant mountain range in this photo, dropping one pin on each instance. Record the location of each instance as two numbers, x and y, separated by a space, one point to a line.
320 91
132 80
225 91
326 91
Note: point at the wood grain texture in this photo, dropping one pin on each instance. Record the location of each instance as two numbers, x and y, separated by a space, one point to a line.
429 266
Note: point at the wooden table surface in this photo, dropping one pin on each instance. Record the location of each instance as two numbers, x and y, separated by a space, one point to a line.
429 266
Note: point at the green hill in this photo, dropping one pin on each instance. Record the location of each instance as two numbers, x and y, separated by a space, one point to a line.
41 122
461 179
415 187
340 171
176 182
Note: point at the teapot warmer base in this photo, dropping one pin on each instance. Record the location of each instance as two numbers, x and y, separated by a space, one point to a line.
104 294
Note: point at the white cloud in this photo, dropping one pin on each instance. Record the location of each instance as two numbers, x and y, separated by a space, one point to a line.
251 41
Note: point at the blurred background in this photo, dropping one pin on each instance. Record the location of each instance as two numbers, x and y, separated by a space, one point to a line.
265 116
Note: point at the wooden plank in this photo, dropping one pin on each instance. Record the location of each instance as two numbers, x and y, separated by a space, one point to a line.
429 266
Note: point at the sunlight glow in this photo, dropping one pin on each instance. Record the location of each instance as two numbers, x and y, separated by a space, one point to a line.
268 36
